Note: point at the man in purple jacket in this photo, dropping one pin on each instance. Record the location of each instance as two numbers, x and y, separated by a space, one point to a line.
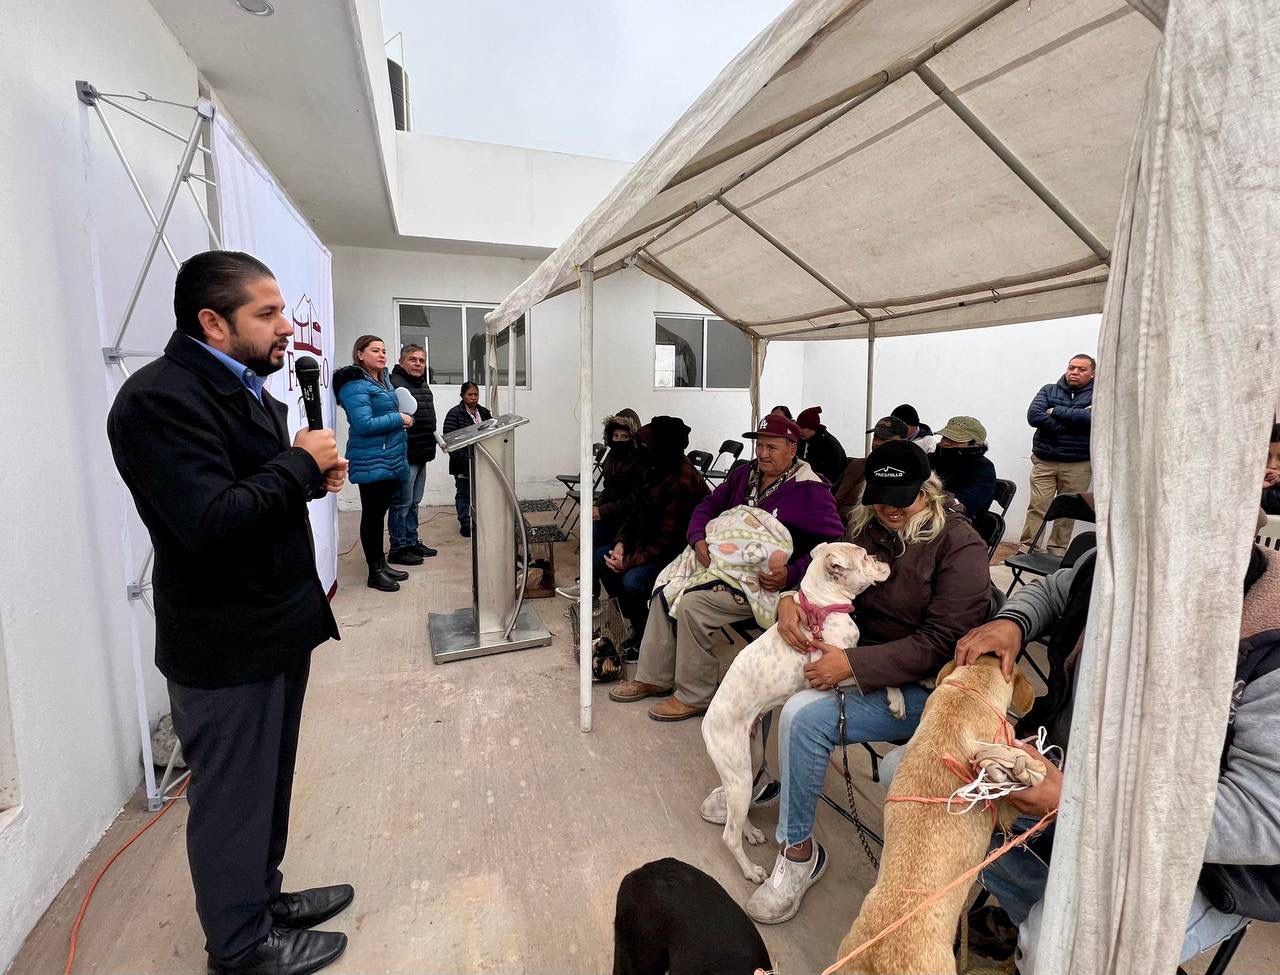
679 658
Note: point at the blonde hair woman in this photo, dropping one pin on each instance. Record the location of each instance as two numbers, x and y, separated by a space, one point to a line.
938 589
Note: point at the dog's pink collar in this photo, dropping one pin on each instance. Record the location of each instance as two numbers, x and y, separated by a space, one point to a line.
817 615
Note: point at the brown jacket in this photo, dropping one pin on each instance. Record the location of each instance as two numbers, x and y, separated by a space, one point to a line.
936 592
848 490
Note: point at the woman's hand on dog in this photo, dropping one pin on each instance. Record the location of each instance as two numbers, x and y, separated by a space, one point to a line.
1001 637
829 669
793 624
1038 800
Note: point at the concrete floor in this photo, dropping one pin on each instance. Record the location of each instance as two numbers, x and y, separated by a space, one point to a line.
482 830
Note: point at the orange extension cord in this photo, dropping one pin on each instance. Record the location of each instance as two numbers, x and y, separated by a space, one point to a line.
88 896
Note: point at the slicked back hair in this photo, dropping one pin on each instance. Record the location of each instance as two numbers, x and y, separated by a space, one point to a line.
216 280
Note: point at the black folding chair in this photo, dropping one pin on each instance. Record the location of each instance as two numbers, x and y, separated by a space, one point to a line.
1033 563
990 528
1005 490
1081 544
732 448
569 503
701 460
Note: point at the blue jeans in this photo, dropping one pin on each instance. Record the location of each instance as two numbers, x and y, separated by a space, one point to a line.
809 731
462 500
402 523
1019 878
631 588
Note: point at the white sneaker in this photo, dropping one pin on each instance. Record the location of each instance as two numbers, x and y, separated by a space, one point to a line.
716 810
778 898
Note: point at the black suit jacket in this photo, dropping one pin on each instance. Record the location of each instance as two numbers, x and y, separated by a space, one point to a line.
223 494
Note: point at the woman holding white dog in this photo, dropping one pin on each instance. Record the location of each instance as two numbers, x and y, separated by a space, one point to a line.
938 589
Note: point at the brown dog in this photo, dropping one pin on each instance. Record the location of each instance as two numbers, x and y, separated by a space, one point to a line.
925 846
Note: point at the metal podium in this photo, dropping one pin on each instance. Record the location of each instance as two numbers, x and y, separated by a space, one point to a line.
497 619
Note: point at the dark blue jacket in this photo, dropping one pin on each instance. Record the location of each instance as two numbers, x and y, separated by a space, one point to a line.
968 474
377 447
1062 435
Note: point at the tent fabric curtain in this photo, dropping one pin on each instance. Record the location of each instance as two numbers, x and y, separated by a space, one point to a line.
1188 347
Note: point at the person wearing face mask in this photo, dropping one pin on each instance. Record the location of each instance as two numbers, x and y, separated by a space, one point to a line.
938 589
622 477
960 459
678 659
377 449
467 412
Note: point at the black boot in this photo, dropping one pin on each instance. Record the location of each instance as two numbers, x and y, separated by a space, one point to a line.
426 551
405 555
379 579
395 574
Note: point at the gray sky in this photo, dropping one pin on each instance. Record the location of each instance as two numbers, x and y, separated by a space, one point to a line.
595 77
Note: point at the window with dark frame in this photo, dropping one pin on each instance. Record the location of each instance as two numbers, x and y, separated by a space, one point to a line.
453 335
699 352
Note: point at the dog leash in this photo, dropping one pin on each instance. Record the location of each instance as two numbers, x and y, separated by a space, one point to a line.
848 785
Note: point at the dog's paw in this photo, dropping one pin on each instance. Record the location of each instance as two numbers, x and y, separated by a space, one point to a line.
756 874
897 703
755 836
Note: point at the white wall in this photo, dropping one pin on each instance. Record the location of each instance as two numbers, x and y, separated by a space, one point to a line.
64 618
366 282
991 374
480 192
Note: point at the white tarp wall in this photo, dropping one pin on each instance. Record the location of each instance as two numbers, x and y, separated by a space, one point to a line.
258 218
1187 381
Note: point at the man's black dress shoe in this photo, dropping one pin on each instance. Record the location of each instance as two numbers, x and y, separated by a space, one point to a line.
287 952
310 907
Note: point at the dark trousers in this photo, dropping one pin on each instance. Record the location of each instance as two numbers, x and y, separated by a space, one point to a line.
240 744
631 588
375 501
462 500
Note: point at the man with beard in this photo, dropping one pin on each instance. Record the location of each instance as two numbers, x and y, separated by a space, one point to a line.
204 450
961 461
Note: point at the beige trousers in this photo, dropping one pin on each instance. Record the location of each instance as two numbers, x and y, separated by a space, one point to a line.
680 655
1049 478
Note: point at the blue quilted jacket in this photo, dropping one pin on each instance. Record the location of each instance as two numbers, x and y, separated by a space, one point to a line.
377 448
1062 435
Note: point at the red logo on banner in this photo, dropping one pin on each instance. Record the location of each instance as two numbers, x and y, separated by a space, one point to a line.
306 333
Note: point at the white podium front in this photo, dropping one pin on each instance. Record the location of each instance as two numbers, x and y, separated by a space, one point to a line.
497 619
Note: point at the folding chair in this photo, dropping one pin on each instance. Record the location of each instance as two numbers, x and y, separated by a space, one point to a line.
733 448
701 460
990 528
569 503
1081 544
1269 537
1070 506
1005 490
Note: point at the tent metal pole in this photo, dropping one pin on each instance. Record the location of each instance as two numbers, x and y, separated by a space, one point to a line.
796 259
1015 165
491 369
204 113
871 382
586 586
757 367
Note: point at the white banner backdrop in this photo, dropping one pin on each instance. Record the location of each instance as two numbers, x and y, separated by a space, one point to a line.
258 218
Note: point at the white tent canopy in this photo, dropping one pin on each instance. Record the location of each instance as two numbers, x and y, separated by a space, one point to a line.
886 167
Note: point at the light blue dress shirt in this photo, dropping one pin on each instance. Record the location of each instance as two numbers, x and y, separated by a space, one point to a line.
252 381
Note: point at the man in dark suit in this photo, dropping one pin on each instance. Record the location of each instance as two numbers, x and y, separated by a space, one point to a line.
204 450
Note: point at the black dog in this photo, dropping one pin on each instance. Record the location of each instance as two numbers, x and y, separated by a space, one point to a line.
672 917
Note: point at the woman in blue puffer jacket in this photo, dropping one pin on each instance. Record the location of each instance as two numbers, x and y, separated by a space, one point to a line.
377 449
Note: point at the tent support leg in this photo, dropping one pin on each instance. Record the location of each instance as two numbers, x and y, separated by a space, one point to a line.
871 381
586 281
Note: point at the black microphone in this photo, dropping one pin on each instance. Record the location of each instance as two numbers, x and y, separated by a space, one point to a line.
308 372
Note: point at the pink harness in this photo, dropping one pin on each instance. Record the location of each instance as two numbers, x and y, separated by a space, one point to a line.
817 615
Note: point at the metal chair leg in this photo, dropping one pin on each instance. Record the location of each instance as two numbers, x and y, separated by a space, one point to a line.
1226 951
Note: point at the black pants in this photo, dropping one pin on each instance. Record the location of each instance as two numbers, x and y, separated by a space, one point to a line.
375 502
240 744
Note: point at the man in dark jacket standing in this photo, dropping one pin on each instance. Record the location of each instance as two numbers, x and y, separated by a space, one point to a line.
402 523
818 445
204 450
1062 414
961 461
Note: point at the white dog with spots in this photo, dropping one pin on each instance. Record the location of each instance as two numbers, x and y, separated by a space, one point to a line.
768 671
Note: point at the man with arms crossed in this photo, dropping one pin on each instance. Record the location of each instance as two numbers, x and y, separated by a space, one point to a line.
204 450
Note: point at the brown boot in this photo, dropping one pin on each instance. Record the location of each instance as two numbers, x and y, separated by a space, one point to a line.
674 709
637 690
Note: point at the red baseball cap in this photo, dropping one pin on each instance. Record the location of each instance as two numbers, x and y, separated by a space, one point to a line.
775 425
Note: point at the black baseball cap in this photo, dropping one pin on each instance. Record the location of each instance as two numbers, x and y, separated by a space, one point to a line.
888 427
895 472
907 414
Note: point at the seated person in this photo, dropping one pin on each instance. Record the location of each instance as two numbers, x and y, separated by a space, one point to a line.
818 445
961 461
782 411
919 433
1271 477
622 477
1240 879
656 516
938 589
848 490
679 657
